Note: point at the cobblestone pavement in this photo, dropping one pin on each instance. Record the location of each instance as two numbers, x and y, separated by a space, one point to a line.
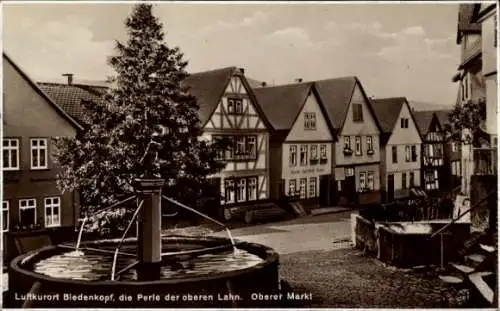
347 278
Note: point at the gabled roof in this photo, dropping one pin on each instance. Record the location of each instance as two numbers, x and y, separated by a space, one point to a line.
70 97
44 95
336 95
209 86
424 120
466 23
387 111
283 103
442 116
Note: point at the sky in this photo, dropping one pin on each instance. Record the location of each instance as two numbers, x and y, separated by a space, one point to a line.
394 49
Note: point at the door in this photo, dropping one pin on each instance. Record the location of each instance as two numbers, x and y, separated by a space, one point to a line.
350 188
390 188
324 190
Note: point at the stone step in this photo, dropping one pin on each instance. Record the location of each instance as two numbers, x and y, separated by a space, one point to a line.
462 268
487 248
450 279
477 280
475 258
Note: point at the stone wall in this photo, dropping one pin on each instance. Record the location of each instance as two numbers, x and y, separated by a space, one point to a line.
484 215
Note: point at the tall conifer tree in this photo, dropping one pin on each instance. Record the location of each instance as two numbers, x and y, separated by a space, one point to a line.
147 96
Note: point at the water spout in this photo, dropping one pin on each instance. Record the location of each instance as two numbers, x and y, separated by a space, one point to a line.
99 211
206 217
113 268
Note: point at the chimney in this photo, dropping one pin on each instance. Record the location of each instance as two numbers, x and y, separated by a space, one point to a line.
263 84
69 76
242 70
298 80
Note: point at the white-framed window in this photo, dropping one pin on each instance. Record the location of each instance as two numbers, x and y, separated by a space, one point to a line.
229 191
407 153
252 146
293 155
370 184
240 145
312 187
252 188
10 154
404 123
303 188
322 152
242 190
362 180
303 155
27 212
309 120
349 171
412 179
38 153
359 150
347 142
314 153
234 106
5 215
52 212
369 144
414 153
292 186
403 181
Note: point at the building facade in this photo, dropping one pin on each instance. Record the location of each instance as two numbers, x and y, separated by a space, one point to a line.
31 122
471 80
356 164
400 148
301 143
229 110
486 15
432 155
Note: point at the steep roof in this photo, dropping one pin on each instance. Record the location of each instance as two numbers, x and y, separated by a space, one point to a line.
387 111
336 95
281 104
442 116
70 97
466 23
424 120
208 87
44 95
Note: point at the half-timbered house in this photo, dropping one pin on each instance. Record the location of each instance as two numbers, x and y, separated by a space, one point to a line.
229 110
301 143
432 149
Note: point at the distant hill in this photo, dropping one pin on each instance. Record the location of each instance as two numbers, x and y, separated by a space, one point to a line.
425 106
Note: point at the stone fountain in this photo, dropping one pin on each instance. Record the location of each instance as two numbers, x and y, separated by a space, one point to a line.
148 271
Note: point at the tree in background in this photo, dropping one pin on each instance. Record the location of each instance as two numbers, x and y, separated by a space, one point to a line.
147 97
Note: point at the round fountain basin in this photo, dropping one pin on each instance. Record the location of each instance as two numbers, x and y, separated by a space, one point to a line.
202 272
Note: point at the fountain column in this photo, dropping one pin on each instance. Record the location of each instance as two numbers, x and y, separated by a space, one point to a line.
149 233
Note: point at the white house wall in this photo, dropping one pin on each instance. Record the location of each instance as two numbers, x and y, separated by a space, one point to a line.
352 129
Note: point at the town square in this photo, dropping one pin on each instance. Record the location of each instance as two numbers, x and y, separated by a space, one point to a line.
249 155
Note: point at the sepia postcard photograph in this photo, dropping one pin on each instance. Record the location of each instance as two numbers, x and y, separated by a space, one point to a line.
263 154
